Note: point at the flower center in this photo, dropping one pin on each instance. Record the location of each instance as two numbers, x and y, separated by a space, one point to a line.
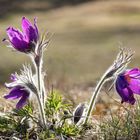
128 78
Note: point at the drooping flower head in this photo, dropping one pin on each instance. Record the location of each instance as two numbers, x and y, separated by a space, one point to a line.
17 92
128 84
21 87
24 41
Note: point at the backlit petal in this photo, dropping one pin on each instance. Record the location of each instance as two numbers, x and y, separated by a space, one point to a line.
14 93
23 100
125 93
17 39
134 85
29 30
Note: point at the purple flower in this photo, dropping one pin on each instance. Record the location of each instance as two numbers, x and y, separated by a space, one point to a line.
30 31
128 84
17 92
24 41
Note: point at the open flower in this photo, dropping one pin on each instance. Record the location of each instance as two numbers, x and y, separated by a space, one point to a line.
24 41
17 92
128 84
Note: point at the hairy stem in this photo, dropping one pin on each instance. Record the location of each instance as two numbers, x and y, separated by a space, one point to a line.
120 63
38 71
95 95
42 113
39 96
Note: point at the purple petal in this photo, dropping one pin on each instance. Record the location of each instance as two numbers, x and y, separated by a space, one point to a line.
133 79
12 32
125 93
35 25
30 32
15 93
121 81
134 85
13 77
133 72
17 39
23 100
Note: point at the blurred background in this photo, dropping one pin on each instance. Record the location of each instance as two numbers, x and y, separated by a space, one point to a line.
86 37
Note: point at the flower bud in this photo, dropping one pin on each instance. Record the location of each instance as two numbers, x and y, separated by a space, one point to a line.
78 113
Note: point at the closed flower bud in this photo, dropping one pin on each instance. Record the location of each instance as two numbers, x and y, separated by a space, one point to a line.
78 113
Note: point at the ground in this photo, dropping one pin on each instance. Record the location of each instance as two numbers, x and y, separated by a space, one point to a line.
85 40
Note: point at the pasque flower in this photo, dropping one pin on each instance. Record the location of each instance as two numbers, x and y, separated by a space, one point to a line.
118 66
29 42
17 92
24 41
128 84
